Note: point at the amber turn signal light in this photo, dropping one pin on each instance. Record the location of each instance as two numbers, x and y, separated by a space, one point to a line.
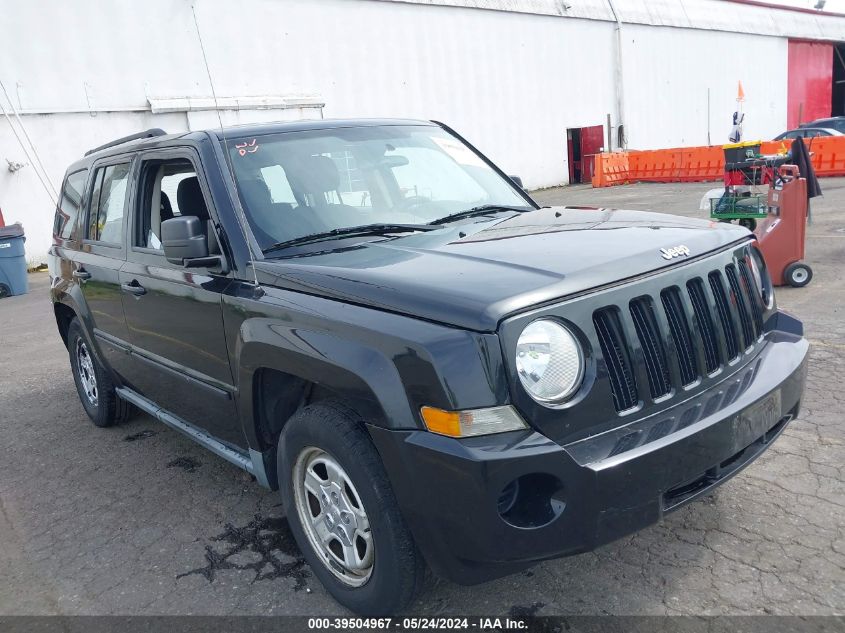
472 421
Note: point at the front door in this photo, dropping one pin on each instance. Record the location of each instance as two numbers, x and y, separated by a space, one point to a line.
174 314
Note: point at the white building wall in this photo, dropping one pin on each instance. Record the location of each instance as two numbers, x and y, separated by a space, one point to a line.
511 82
668 72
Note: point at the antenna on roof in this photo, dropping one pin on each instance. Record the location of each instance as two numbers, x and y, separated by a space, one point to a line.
238 206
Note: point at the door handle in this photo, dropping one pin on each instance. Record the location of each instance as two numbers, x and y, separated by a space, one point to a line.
81 274
134 288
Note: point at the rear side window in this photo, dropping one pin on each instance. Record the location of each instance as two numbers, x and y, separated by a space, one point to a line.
108 202
69 205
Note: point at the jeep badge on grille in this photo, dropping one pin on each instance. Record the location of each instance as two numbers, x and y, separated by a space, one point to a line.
675 251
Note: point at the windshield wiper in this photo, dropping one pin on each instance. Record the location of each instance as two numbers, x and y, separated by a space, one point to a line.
350 231
480 210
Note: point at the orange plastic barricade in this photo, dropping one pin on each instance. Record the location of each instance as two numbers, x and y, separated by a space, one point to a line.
692 164
655 165
828 155
702 163
611 168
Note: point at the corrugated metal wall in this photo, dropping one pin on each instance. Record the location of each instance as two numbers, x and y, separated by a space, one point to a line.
668 73
512 82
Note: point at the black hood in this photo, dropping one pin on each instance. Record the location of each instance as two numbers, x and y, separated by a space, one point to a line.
499 266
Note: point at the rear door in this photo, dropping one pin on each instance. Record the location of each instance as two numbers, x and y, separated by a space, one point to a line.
174 314
96 265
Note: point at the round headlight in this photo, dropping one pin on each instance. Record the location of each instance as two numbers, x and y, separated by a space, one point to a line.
549 361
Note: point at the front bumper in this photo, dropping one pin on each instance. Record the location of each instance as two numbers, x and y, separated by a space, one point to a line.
577 497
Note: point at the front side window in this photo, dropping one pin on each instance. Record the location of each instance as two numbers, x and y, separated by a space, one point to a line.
108 201
296 184
70 204
160 199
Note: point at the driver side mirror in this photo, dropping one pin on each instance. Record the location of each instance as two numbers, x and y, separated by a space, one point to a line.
184 242
518 181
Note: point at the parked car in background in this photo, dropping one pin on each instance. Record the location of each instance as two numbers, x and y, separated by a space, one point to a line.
807 132
831 123
373 319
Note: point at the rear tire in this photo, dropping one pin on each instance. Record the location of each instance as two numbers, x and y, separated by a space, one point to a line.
798 274
324 444
5 291
93 384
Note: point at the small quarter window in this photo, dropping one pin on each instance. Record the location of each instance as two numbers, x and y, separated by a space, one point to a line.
69 205
108 202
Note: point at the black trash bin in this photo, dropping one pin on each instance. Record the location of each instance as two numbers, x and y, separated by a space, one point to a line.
12 261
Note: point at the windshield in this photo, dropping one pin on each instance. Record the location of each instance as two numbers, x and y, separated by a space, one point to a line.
296 184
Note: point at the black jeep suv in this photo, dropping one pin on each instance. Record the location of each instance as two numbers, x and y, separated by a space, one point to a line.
370 317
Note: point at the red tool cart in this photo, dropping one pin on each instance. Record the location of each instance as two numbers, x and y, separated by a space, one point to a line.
746 173
781 234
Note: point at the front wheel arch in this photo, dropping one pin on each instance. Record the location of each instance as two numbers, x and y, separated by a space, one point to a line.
338 430
64 315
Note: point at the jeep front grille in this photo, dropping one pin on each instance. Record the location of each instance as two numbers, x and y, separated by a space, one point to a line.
742 307
679 329
723 308
705 323
754 298
654 353
617 357
706 328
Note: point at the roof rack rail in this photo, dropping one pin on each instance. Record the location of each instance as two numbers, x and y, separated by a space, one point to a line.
151 133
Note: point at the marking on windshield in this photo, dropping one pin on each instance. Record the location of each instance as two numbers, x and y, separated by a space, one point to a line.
249 147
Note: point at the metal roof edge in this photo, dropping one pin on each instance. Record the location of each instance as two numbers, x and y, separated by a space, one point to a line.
752 17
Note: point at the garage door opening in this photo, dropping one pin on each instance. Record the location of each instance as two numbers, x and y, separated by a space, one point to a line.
809 81
582 145
837 106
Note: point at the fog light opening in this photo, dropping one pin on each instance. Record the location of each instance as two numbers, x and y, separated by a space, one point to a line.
531 501
508 497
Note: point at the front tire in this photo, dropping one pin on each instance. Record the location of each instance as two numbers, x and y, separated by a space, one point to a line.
343 513
93 384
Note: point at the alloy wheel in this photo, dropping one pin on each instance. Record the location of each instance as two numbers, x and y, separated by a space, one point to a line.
333 516
87 375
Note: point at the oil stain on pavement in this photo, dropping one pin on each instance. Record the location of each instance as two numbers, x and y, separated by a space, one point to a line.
264 546
187 464
142 435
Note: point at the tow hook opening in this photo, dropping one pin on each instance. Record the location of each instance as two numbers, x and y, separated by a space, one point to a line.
531 501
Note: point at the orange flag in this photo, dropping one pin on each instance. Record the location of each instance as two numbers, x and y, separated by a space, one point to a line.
740 93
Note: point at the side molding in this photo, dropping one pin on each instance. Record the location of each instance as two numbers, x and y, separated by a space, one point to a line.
253 463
